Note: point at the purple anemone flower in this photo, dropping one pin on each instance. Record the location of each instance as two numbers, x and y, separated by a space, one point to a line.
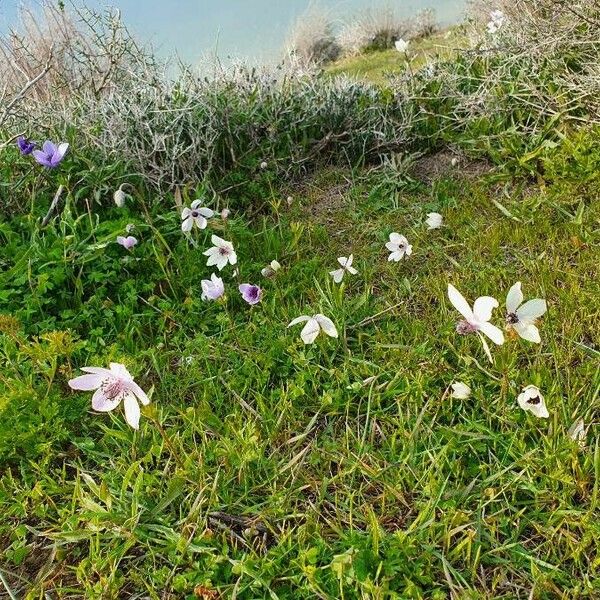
25 145
51 155
252 294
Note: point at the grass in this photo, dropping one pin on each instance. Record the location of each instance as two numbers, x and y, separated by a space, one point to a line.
378 66
268 469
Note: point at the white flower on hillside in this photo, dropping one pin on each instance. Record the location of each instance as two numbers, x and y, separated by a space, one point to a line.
522 317
120 196
213 288
346 264
195 215
460 390
401 45
531 399
497 19
398 247
434 220
314 325
270 269
221 253
477 319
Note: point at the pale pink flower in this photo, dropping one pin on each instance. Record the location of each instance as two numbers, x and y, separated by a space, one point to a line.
522 317
399 247
127 242
221 253
112 386
213 288
195 215
314 325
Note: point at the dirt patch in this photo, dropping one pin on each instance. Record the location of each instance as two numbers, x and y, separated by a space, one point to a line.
449 164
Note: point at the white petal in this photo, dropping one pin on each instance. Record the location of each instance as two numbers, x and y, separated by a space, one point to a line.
132 410
86 383
201 222
217 241
396 256
349 261
483 307
396 238
514 298
101 403
297 320
352 270
310 331
486 348
187 224
528 331
185 213
492 332
531 310
460 390
196 203
391 246
120 371
206 212
327 325
408 250
343 261
337 275
459 303
232 258
139 392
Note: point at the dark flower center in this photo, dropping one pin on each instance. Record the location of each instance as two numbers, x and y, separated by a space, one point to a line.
536 400
112 388
512 319
195 213
465 328
224 251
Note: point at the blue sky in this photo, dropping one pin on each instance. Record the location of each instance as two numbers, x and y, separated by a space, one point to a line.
253 29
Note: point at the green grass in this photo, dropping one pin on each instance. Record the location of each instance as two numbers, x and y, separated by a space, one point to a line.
379 66
269 469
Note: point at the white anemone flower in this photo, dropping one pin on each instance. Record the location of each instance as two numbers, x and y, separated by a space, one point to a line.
531 399
460 390
213 288
347 267
398 247
270 269
522 317
476 319
401 45
195 215
434 220
220 254
314 325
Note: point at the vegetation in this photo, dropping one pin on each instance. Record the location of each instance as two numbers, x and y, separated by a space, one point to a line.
264 467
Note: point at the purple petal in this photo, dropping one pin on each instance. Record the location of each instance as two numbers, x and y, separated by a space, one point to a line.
86 382
49 148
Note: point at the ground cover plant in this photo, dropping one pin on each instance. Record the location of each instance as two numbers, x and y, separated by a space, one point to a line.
364 380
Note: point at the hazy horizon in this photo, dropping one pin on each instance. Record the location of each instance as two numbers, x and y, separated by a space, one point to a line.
254 30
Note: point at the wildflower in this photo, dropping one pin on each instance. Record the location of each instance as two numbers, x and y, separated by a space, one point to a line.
213 288
578 432
111 387
314 325
264 164
50 155
221 253
434 220
252 294
476 320
225 214
196 214
127 242
346 263
497 19
522 317
460 390
401 45
270 269
129 227
25 145
532 400
290 200
399 247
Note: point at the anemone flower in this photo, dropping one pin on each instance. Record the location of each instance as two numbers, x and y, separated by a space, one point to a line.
398 247
127 242
347 267
220 254
522 317
434 220
578 431
195 215
314 325
270 269
213 288
531 399
476 320
111 387
25 145
51 155
460 390
252 294
401 45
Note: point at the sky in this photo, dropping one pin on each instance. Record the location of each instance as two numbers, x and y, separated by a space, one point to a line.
251 29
